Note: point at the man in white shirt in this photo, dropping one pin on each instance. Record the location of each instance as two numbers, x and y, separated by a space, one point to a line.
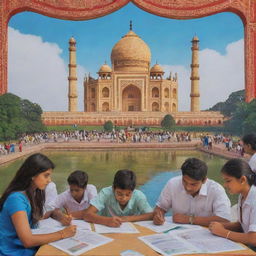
193 198
249 143
74 200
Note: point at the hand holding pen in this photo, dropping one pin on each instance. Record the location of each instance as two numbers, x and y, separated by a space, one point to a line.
115 221
158 217
66 218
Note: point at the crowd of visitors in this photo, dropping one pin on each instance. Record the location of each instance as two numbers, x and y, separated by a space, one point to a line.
230 143
122 136
221 141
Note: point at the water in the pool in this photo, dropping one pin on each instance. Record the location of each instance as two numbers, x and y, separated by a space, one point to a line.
152 167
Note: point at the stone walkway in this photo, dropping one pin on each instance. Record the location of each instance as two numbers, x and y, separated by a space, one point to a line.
221 150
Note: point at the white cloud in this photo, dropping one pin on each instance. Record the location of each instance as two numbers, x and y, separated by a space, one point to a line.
37 72
220 75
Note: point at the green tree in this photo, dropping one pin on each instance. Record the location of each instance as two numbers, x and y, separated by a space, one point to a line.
108 126
31 111
168 122
9 107
243 120
18 116
228 107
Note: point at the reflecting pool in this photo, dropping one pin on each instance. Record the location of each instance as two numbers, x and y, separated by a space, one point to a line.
153 167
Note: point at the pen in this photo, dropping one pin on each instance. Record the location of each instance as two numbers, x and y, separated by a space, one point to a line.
166 231
67 213
113 214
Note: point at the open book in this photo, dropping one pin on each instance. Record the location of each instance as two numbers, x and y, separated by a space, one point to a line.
189 241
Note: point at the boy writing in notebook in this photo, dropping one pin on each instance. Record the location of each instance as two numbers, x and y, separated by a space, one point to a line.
75 200
193 198
119 203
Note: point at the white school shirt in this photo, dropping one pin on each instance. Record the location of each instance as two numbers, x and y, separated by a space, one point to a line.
252 162
65 200
211 200
248 221
50 195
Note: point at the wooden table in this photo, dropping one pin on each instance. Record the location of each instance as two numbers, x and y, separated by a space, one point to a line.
124 242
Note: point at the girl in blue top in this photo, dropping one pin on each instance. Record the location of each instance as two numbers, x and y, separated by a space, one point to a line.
21 207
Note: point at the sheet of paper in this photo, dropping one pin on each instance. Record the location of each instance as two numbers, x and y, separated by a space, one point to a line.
166 227
81 224
206 242
125 227
130 253
50 222
82 242
167 245
45 230
157 228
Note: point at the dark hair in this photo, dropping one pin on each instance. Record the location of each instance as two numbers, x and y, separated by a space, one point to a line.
250 139
194 168
237 168
79 178
125 179
32 166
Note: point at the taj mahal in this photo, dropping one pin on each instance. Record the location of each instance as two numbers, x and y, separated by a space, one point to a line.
131 92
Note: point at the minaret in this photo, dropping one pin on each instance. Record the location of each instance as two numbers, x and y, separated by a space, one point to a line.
72 78
195 95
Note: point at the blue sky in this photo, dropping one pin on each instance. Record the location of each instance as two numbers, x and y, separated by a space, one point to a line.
168 39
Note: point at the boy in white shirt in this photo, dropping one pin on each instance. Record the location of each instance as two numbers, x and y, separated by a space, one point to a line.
74 200
193 198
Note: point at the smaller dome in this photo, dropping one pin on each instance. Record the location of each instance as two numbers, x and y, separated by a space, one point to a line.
72 40
156 69
105 69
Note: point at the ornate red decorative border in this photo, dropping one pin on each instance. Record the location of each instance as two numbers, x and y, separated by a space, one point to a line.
175 9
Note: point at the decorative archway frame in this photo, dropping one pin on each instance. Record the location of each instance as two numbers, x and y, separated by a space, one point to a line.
174 9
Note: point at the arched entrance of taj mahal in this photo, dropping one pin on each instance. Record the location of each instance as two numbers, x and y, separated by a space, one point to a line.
174 9
131 99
